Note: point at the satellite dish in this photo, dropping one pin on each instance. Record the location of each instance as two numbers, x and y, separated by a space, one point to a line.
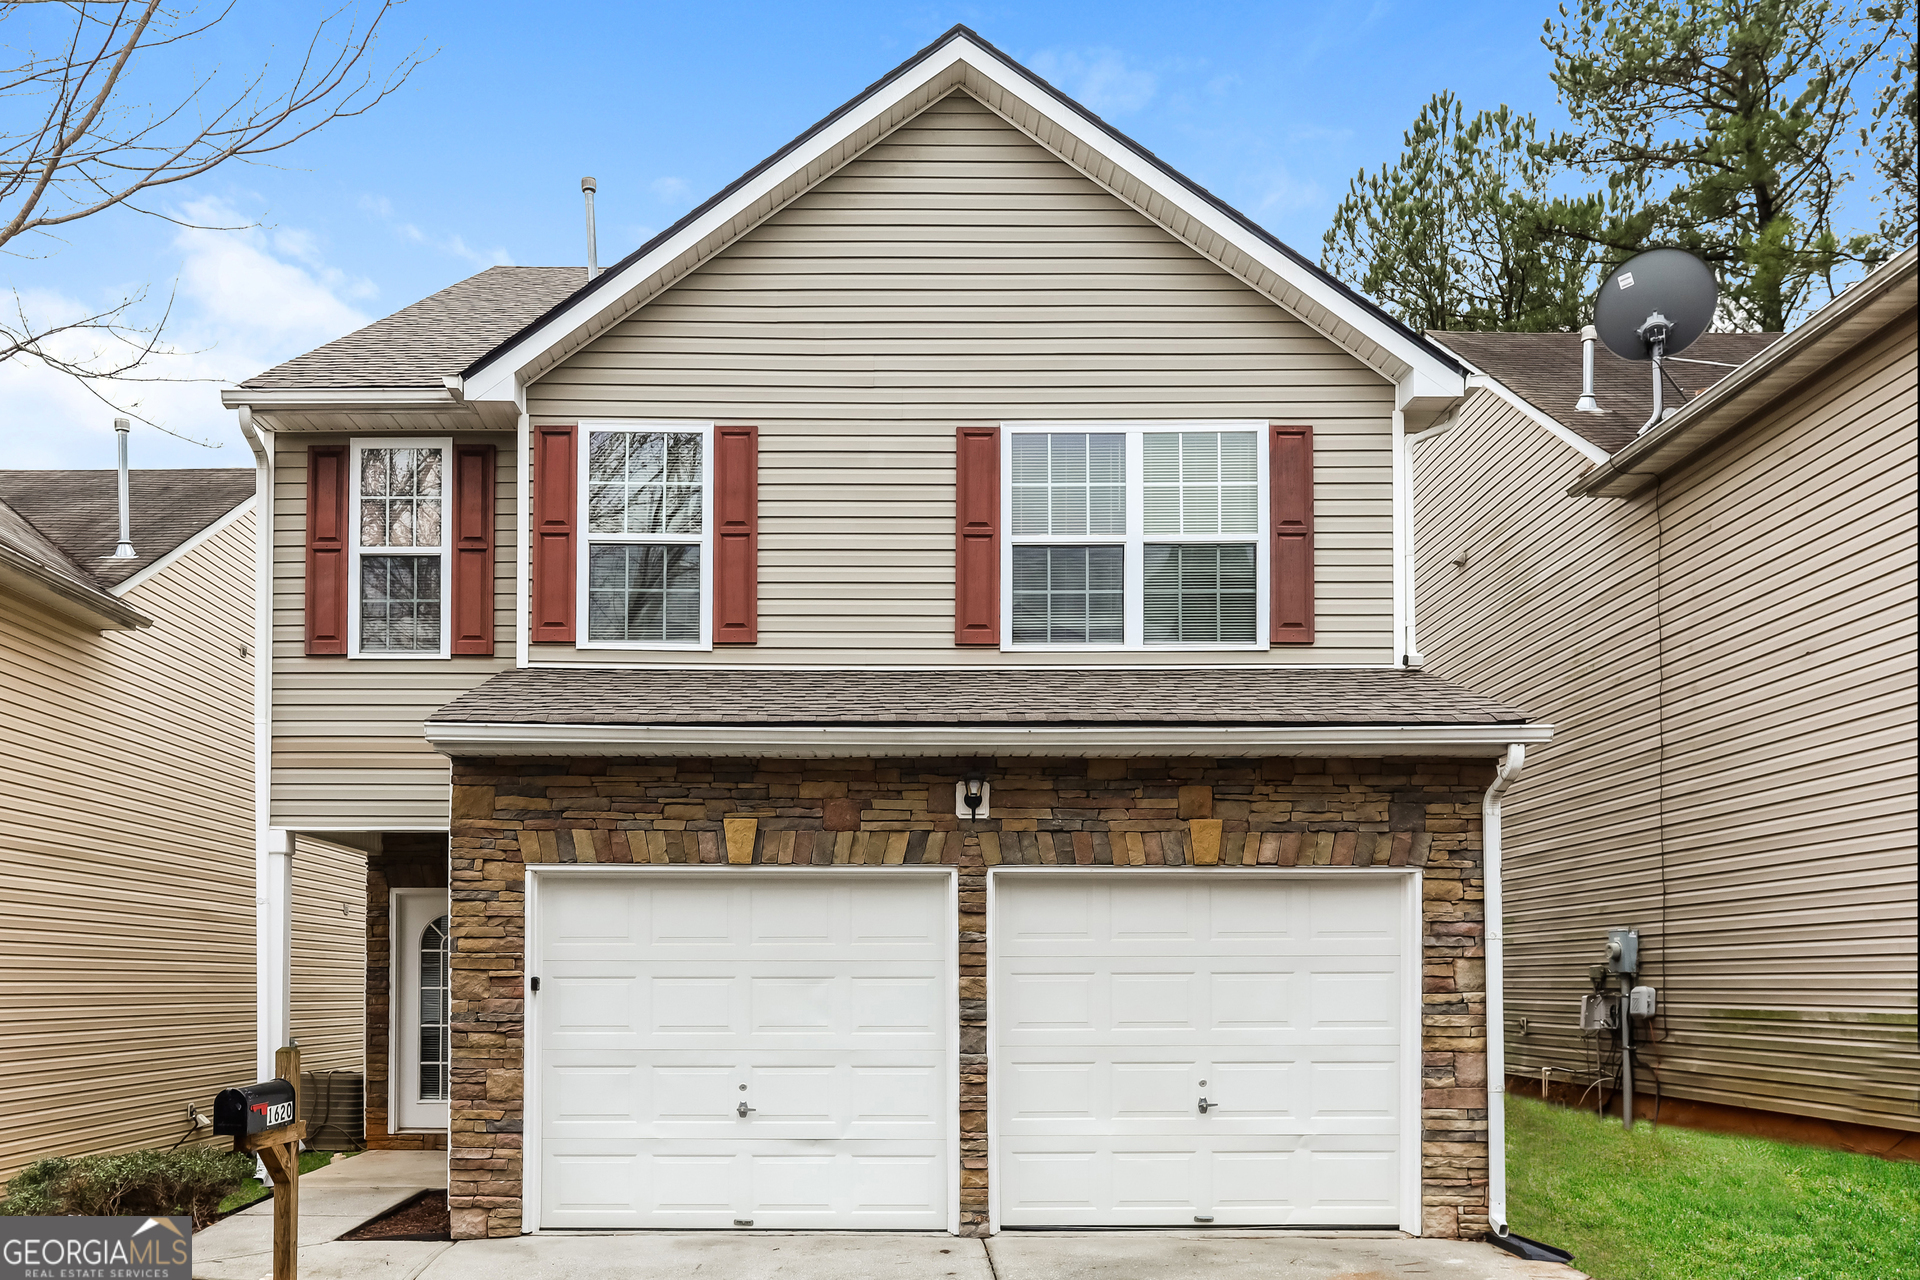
1663 298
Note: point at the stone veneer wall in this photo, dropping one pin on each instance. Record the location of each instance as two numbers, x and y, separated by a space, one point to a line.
408 860
1273 813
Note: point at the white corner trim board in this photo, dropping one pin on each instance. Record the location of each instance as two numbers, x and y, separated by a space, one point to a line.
1504 777
860 741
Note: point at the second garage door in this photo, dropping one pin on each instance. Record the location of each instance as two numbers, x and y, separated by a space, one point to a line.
772 1050
1182 1047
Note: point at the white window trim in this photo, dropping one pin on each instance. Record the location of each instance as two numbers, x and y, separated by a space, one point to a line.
361 445
1135 539
582 604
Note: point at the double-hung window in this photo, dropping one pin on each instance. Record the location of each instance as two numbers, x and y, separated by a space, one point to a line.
646 559
398 523
1135 535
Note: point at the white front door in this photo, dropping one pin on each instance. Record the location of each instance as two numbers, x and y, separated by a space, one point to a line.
420 981
1182 1047
767 1049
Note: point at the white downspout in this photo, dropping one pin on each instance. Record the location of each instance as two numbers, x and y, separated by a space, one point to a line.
1496 949
272 849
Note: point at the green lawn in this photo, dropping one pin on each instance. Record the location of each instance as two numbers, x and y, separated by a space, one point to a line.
1674 1204
253 1190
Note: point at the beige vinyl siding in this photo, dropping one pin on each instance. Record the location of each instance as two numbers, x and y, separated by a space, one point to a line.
348 754
126 847
958 274
329 1003
1751 736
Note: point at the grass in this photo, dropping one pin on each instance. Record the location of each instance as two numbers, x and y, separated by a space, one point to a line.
253 1191
1674 1204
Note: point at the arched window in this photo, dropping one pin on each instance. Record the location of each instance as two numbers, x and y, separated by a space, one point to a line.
433 1011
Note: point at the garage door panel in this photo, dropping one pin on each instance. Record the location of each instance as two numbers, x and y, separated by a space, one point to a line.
1284 1013
667 1004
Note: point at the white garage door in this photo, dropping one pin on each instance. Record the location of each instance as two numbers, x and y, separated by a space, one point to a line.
719 1051
1121 1001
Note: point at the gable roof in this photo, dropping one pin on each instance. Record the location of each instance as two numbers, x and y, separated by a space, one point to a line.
438 336
1543 369
79 512
960 60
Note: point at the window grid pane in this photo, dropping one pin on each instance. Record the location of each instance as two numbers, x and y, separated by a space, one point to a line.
1200 482
1199 594
1072 484
643 592
434 1008
641 482
399 604
400 497
1068 595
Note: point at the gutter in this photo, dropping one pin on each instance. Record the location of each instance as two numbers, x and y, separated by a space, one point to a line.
1496 951
840 741
45 585
340 397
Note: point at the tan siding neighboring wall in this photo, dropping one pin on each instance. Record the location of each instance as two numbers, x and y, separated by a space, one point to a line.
1784 944
126 815
347 750
960 274
329 962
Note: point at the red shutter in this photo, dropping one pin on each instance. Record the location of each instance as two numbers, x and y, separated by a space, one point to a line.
327 550
472 535
736 535
552 560
976 552
1291 480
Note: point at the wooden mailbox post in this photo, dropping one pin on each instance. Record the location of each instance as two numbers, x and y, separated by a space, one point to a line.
279 1149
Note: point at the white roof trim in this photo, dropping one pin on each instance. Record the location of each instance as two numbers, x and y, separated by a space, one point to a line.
339 397
1479 381
1424 372
864 741
186 548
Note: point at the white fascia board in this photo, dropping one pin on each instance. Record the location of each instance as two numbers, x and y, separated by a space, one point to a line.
1572 439
863 741
186 548
340 398
1428 376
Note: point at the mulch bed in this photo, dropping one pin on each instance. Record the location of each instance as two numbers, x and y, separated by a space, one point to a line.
422 1218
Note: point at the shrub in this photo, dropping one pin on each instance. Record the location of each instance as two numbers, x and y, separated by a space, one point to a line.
153 1182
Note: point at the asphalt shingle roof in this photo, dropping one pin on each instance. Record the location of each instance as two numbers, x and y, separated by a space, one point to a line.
1219 696
78 513
419 345
1544 370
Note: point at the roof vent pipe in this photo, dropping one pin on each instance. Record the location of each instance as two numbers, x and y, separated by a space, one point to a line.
1588 404
588 186
121 428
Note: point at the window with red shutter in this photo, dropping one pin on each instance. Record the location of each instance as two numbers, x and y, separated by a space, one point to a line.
976 552
736 535
554 518
1290 460
327 561
473 550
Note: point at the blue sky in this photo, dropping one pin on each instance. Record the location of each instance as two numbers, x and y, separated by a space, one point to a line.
478 159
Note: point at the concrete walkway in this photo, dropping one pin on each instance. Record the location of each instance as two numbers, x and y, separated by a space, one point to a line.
333 1201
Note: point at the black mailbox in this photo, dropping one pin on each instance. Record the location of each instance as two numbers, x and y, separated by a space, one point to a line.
253 1108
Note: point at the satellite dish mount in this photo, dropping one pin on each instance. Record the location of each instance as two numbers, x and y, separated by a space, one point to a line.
1654 306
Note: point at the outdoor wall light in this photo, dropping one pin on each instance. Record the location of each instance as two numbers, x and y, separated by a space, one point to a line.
971 796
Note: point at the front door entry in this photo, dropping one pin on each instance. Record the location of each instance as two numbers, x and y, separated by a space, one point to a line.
421 983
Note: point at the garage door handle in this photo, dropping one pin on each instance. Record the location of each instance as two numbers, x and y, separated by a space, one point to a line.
743 1108
1204 1104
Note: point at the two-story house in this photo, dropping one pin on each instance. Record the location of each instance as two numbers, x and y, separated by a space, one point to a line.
126 820
887 708
1718 613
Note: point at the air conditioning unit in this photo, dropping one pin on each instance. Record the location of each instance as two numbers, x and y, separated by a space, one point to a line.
334 1105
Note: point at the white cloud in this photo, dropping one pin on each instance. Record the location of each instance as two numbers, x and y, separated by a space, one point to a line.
453 244
244 302
672 190
1099 79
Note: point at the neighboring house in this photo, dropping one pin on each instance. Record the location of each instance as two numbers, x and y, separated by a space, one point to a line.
126 818
1719 618
961 446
